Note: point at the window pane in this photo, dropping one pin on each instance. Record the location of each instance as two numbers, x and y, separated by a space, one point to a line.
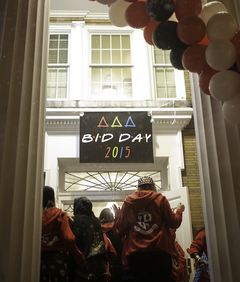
106 42
52 75
127 87
62 75
95 41
106 74
127 73
161 92
63 41
158 54
106 59
126 57
116 72
116 57
63 56
96 88
96 75
167 56
51 92
95 57
160 78
62 92
53 55
116 42
53 42
125 42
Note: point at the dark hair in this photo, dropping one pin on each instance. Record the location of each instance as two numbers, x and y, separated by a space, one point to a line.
151 187
106 216
48 197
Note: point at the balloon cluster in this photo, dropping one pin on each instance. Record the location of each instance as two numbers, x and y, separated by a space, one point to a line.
203 39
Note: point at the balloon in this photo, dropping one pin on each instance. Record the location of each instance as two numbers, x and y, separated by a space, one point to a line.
231 110
236 40
205 41
204 80
160 10
210 9
220 54
193 58
117 13
148 31
238 61
185 8
176 56
106 2
165 35
136 15
221 26
191 30
225 85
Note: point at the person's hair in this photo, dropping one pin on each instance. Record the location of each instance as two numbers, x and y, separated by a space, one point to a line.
48 197
106 216
151 187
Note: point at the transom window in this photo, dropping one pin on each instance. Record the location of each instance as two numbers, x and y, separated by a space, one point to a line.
58 66
164 74
108 181
111 67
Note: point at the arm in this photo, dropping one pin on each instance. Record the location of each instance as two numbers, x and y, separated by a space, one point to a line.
110 250
68 240
171 219
121 223
197 247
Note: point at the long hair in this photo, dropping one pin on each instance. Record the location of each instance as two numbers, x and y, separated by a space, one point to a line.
48 198
106 216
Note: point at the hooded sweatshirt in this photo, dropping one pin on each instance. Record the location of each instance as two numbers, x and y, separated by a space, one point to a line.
146 217
57 235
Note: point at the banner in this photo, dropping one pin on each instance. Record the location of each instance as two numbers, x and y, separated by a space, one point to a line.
116 137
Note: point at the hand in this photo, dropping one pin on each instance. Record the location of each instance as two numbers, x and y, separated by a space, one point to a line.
116 210
70 217
181 207
202 263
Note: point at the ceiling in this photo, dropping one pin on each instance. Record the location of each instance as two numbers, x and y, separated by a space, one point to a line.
78 5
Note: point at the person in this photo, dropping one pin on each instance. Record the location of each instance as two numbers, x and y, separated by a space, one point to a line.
113 246
90 241
197 249
177 260
57 239
146 217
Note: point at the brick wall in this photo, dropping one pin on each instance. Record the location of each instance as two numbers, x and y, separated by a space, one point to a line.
190 175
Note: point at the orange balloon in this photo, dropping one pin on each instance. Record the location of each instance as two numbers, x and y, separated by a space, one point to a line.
184 8
148 31
191 30
136 15
236 40
205 78
205 40
193 58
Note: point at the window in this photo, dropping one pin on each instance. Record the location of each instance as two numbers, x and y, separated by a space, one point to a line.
164 74
58 67
111 68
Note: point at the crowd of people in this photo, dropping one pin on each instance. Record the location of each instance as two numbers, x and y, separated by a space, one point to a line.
138 244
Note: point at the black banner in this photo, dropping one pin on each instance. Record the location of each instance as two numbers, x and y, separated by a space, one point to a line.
116 137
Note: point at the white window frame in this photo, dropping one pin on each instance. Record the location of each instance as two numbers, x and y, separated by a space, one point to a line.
62 29
179 80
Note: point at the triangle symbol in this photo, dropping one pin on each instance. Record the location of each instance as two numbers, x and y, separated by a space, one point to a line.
116 120
103 123
132 123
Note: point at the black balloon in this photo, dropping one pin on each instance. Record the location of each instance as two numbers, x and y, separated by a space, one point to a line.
176 56
165 35
160 10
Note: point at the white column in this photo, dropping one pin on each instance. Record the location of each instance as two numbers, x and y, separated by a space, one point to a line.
23 69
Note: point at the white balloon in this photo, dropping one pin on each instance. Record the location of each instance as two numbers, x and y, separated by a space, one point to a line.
225 85
117 13
231 110
106 2
221 54
221 26
210 9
